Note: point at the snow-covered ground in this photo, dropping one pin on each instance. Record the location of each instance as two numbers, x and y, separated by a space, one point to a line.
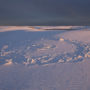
44 58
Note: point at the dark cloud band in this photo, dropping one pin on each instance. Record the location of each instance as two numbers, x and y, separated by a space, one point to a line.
45 12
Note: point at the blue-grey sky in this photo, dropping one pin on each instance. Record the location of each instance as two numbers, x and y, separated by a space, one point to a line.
44 12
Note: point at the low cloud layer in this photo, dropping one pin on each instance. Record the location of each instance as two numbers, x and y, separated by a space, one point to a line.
45 12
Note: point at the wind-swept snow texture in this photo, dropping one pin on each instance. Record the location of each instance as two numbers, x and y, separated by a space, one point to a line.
38 58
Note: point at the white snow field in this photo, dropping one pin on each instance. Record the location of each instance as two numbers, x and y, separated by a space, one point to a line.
44 58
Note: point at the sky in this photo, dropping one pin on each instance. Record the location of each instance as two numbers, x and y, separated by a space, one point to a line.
45 12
